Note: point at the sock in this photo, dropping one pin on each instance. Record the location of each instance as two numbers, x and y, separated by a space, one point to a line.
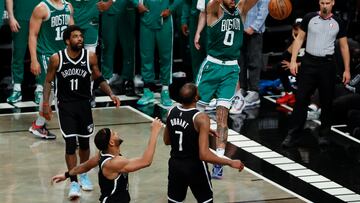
73 178
39 88
164 87
220 151
40 121
17 87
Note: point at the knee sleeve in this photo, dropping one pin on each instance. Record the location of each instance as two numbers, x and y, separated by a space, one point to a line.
84 143
70 145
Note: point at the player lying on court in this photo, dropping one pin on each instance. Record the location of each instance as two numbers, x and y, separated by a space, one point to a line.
187 131
114 168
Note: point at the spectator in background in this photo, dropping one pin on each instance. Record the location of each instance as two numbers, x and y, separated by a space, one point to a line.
118 25
156 30
19 13
251 59
189 23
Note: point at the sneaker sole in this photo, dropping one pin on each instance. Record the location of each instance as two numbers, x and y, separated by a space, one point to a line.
149 102
38 135
87 188
252 103
13 102
74 196
216 177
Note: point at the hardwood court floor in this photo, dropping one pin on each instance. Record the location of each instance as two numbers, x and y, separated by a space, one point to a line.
28 163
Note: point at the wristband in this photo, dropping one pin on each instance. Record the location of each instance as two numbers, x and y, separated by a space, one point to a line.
67 175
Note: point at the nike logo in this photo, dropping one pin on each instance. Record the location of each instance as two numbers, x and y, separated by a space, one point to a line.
83 63
65 63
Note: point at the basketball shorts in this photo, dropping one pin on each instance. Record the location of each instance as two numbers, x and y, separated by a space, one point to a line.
75 118
184 173
217 79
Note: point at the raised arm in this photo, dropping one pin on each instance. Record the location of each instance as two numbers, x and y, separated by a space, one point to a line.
202 124
122 165
98 78
245 6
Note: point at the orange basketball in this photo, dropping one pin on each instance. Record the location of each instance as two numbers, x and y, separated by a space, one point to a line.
280 9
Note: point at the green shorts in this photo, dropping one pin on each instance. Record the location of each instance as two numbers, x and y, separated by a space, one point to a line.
217 79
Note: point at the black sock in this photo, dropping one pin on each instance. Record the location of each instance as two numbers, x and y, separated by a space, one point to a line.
73 178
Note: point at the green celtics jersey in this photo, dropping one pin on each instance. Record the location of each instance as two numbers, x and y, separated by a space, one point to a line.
85 12
225 36
50 38
24 8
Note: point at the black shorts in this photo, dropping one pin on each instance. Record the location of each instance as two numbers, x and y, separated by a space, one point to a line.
75 119
184 173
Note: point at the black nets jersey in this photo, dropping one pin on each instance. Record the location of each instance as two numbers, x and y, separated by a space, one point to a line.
113 191
73 78
183 136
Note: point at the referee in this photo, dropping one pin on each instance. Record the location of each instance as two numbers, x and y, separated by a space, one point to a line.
318 68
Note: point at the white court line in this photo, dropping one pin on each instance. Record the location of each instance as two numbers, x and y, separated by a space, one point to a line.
6 106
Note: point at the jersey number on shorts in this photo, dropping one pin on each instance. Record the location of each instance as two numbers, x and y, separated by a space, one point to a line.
74 84
229 38
180 139
59 33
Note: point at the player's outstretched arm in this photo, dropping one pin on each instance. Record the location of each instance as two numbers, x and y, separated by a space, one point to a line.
122 165
82 168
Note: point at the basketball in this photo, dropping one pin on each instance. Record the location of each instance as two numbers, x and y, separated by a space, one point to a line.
280 9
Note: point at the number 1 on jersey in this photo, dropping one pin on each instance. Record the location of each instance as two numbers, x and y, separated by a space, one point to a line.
180 139
74 84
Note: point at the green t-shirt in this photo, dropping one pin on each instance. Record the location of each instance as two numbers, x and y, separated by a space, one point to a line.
225 36
50 38
24 8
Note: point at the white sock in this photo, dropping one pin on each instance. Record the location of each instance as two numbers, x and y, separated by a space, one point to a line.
220 151
17 87
39 88
164 87
40 121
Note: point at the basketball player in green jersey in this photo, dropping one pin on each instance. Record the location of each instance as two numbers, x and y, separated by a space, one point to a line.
47 23
118 25
156 30
19 17
219 73
86 16
189 23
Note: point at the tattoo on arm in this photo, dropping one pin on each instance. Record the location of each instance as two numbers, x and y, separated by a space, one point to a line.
222 126
106 88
